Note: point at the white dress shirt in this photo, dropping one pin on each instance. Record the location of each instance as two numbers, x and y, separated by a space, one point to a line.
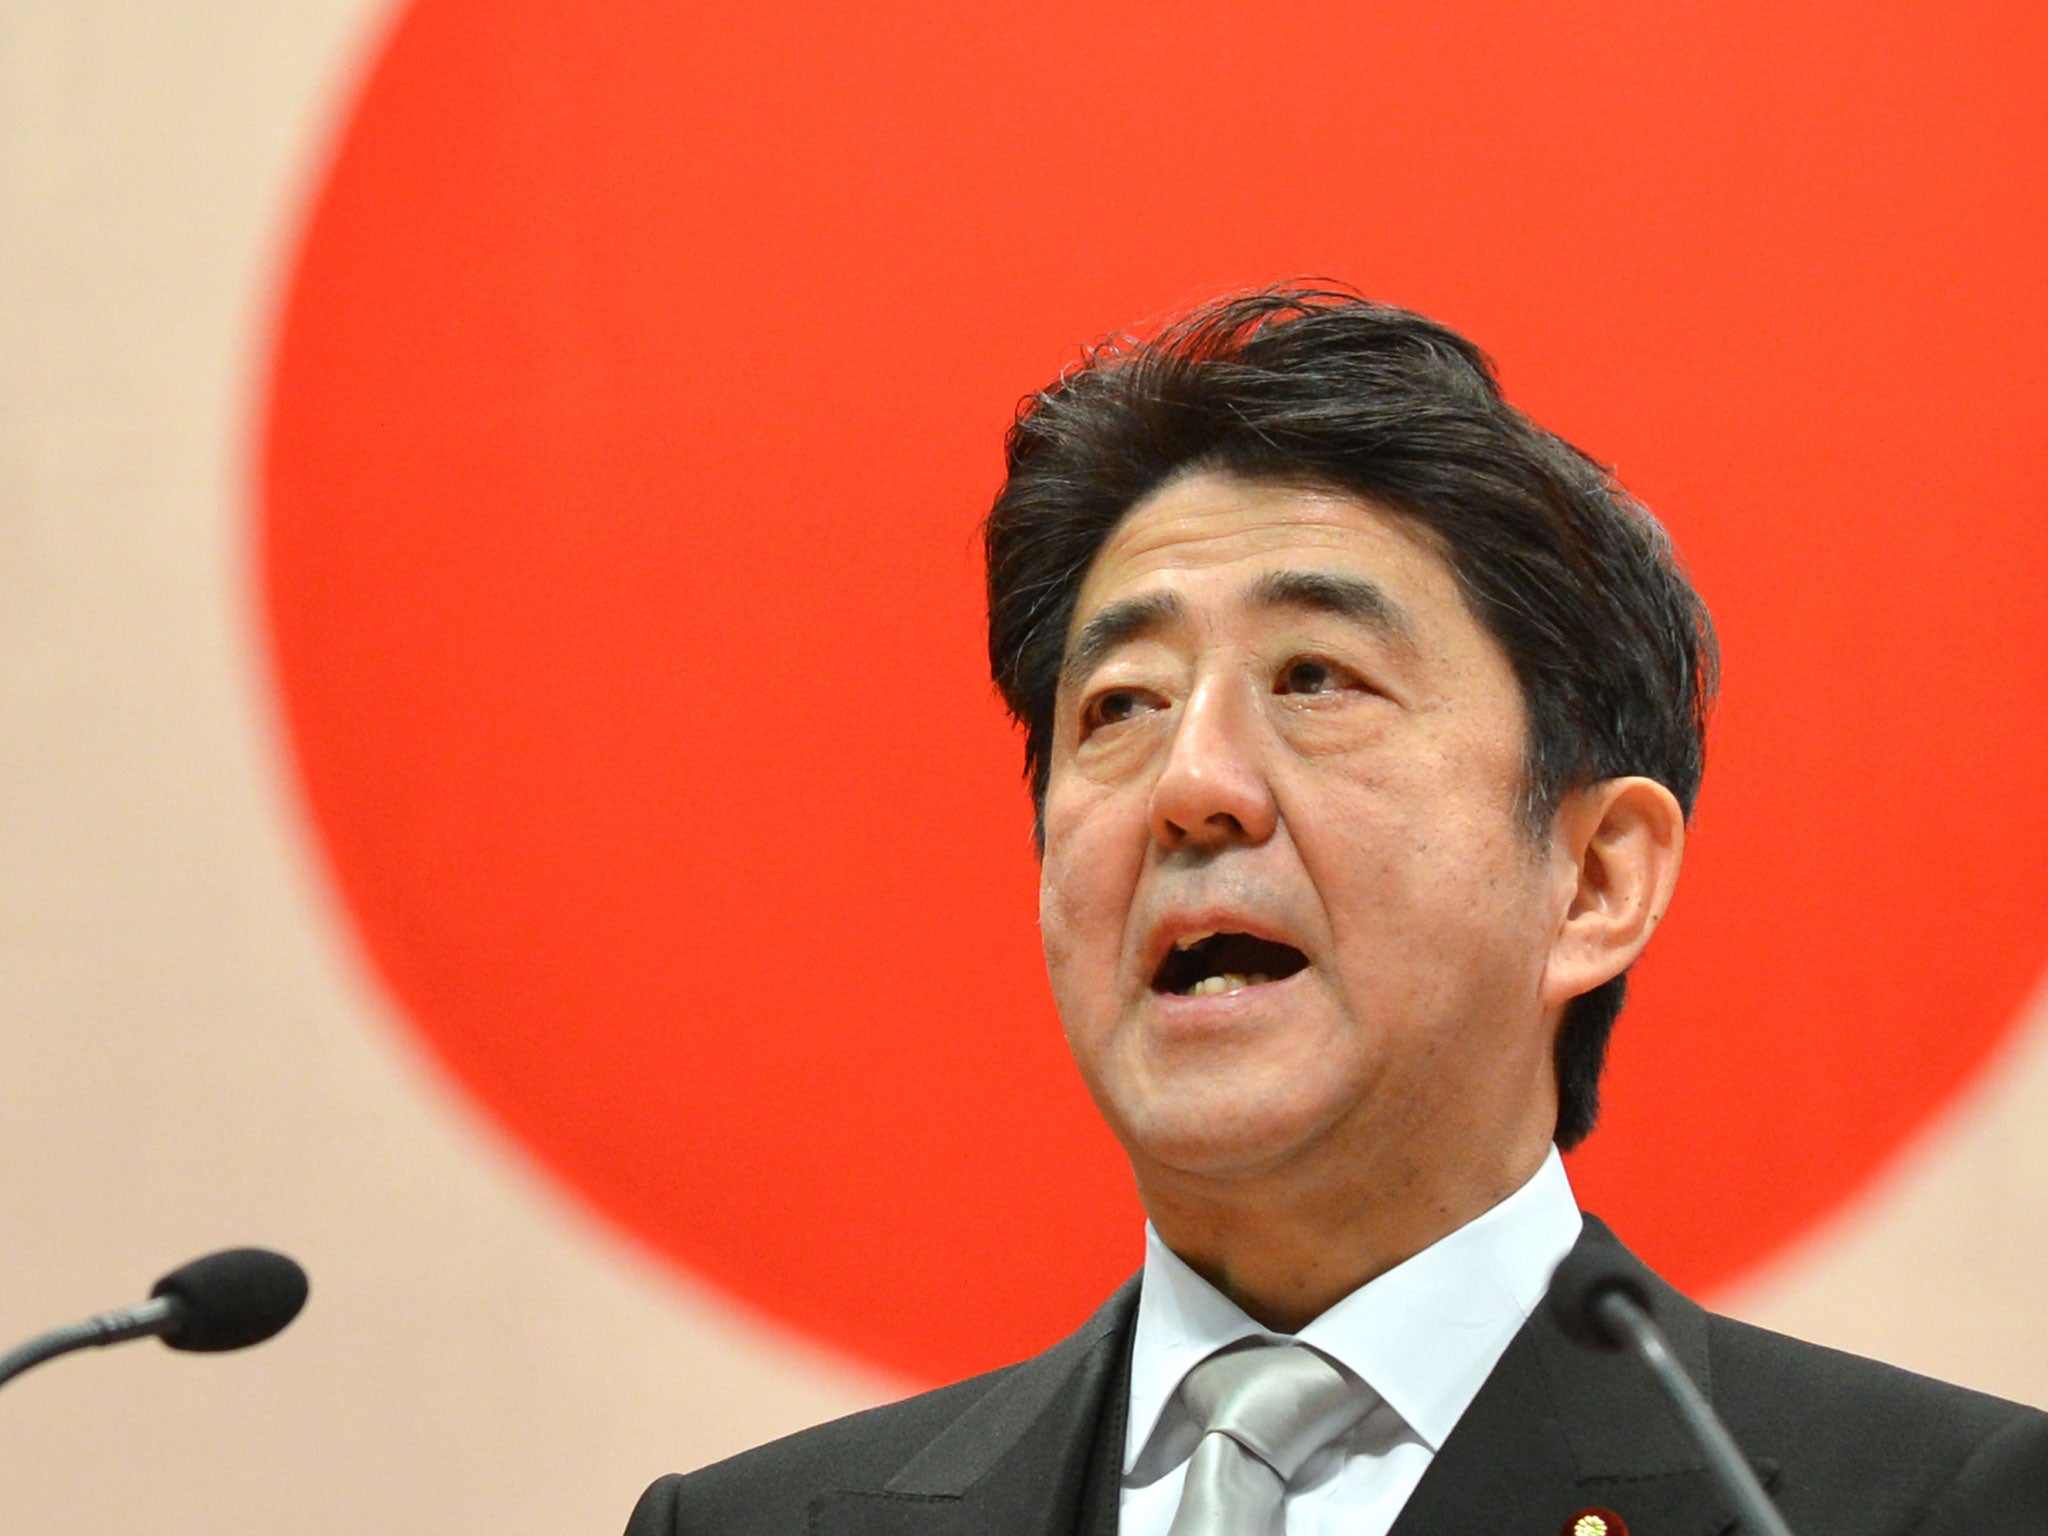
1420 1340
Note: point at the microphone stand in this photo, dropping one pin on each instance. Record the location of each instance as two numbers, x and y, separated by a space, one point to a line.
1626 1320
160 1314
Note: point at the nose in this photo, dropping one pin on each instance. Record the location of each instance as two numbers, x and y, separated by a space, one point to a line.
1212 790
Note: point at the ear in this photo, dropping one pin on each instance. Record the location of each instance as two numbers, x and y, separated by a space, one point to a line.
1623 840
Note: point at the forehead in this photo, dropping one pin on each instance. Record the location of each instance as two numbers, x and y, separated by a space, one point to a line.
1209 537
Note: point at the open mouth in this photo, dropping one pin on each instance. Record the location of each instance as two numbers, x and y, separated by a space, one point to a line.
1225 962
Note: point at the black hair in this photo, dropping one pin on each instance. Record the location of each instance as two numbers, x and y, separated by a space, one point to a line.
1311 386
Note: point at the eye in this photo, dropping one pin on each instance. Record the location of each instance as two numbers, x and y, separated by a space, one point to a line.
1311 674
1113 706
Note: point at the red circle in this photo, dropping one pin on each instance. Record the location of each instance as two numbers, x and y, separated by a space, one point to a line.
640 382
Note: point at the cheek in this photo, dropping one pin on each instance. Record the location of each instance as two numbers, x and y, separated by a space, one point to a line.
1081 903
1410 874
1086 884
1056 918
1080 964
1358 841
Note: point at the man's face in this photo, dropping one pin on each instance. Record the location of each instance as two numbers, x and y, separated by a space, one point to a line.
1280 724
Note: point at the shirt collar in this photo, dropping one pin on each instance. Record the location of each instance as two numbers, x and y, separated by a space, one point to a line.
1425 1335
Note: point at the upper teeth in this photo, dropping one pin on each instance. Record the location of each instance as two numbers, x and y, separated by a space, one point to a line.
1189 941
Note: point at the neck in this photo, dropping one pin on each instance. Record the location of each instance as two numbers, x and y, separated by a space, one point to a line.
1287 1248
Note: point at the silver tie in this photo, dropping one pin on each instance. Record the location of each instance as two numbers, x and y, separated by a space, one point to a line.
1264 1410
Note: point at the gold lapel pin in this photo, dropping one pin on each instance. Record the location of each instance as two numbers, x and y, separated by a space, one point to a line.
1595 1522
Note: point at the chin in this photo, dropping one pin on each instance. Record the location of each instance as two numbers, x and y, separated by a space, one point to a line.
1221 1136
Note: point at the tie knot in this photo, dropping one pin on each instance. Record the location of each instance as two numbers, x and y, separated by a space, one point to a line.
1281 1402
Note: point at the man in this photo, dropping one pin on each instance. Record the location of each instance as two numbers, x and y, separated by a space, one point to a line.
1363 718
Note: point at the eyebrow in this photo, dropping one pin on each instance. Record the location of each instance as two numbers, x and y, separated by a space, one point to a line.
1353 598
1126 619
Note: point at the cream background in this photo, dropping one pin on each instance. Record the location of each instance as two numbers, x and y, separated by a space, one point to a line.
194 1057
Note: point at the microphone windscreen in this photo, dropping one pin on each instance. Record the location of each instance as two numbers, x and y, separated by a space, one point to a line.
1587 1274
233 1299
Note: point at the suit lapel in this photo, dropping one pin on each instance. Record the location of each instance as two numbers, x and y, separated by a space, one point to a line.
1558 1430
1031 1458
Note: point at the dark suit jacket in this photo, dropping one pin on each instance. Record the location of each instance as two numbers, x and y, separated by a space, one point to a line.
1848 1447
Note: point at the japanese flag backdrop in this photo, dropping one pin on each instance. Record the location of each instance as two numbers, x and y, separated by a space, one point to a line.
501 796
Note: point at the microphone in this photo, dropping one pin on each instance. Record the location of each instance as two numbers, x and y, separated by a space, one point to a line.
226 1300
1600 1303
